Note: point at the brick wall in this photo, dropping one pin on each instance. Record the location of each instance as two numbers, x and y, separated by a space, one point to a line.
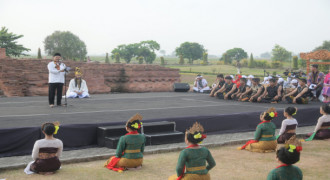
29 77
2 53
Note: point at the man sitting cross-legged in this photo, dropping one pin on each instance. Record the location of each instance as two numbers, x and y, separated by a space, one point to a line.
255 91
299 95
241 92
220 82
272 93
200 84
227 90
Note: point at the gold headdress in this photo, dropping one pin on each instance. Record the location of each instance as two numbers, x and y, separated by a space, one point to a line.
137 116
194 134
135 125
78 71
197 127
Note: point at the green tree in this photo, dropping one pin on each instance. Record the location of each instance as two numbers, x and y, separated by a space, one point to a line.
280 54
39 54
236 54
302 63
127 52
8 41
295 62
107 60
251 63
325 45
140 59
151 45
226 59
162 61
191 51
66 43
205 58
117 57
181 61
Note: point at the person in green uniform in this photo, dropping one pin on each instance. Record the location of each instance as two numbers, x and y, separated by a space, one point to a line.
287 156
264 136
195 161
130 148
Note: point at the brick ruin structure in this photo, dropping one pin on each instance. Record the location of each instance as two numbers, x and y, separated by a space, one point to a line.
29 77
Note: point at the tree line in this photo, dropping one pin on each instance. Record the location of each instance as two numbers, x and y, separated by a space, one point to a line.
73 48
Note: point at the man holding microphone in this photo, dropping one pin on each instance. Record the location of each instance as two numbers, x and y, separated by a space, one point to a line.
56 80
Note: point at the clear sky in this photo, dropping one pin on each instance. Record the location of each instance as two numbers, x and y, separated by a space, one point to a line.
219 25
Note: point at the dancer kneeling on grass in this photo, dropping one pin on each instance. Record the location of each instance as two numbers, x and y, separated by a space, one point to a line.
264 137
289 125
287 156
192 160
77 87
322 129
46 152
130 148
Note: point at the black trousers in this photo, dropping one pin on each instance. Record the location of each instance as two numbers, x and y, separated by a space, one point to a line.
55 88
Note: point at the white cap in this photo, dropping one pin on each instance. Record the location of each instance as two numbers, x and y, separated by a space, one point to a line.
270 77
266 78
280 80
278 75
250 76
294 81
243 76
232 76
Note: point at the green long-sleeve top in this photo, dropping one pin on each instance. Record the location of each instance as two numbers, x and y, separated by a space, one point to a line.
285 173
195 158
131 142
265 129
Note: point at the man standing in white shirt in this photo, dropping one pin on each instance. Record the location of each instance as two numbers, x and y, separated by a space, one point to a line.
56 80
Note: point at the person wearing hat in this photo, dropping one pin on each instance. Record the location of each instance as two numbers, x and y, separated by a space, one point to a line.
77 87
316 79
299 95
56 80
194 161
264 136
200 84
249 82
218 85
287 156
130 148
46 152
227 90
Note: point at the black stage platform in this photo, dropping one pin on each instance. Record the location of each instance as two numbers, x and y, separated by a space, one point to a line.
33 111
21 117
